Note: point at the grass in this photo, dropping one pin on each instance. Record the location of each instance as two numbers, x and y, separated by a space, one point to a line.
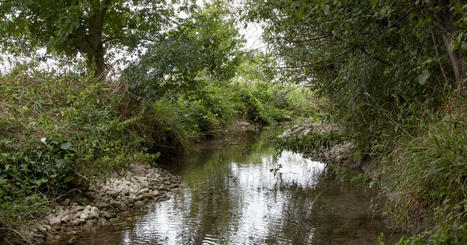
428 173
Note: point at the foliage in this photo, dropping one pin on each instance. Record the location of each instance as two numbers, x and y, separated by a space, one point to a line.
208 44
395 48
387 68
264 100
57 133
90 27
308 143
47 168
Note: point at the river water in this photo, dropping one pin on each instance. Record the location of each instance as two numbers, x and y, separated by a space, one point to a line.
244 193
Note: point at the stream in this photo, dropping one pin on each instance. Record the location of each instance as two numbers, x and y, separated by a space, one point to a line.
242 193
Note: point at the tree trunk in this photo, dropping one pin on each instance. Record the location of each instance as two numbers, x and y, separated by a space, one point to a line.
93 44
458 65
95 61
456 56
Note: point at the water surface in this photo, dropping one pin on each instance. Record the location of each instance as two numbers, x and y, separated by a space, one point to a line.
242 193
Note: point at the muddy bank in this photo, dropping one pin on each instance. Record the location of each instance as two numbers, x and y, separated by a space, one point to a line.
343 154
104 203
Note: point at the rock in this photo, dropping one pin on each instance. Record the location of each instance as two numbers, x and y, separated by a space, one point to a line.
107 215
84 215
66 202
91 194
124 190
115 203
65 218
76 221
139 204
54 220
45 228
102 205
123 206
94 212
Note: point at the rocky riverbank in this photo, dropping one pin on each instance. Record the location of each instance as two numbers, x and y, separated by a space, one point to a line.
106 200
342 154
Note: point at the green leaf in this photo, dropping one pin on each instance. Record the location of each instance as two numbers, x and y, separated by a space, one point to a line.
65 146
464 46
68 179
59 163
423 77
3 181
300 13
326 9
41 181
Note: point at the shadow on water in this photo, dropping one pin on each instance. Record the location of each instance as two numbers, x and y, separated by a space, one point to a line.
243 194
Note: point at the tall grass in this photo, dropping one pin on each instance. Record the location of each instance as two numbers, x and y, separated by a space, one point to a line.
428 176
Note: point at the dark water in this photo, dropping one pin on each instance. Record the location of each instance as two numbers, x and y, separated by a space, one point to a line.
242 194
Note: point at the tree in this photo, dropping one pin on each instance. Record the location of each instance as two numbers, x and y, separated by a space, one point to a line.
208 43
89 27
370 58
313 34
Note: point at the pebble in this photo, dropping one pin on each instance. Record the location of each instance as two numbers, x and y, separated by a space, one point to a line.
116 194
139 204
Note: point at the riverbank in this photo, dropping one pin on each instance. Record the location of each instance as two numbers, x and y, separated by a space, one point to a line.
321 142
104 203
391 172
115 197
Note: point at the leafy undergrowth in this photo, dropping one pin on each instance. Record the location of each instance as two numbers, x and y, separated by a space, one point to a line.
56 133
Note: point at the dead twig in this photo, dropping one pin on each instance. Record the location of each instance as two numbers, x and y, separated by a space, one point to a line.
19 234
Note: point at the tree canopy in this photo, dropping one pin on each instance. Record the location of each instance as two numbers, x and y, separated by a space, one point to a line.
89 27
371 58
206 44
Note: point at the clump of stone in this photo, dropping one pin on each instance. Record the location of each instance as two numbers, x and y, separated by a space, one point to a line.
132 190
343 154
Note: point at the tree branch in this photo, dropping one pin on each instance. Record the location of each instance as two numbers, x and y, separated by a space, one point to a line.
359 46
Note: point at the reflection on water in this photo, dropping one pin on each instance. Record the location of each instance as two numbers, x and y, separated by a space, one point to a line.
243 194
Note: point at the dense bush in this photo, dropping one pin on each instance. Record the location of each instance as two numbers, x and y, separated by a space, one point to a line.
264 99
